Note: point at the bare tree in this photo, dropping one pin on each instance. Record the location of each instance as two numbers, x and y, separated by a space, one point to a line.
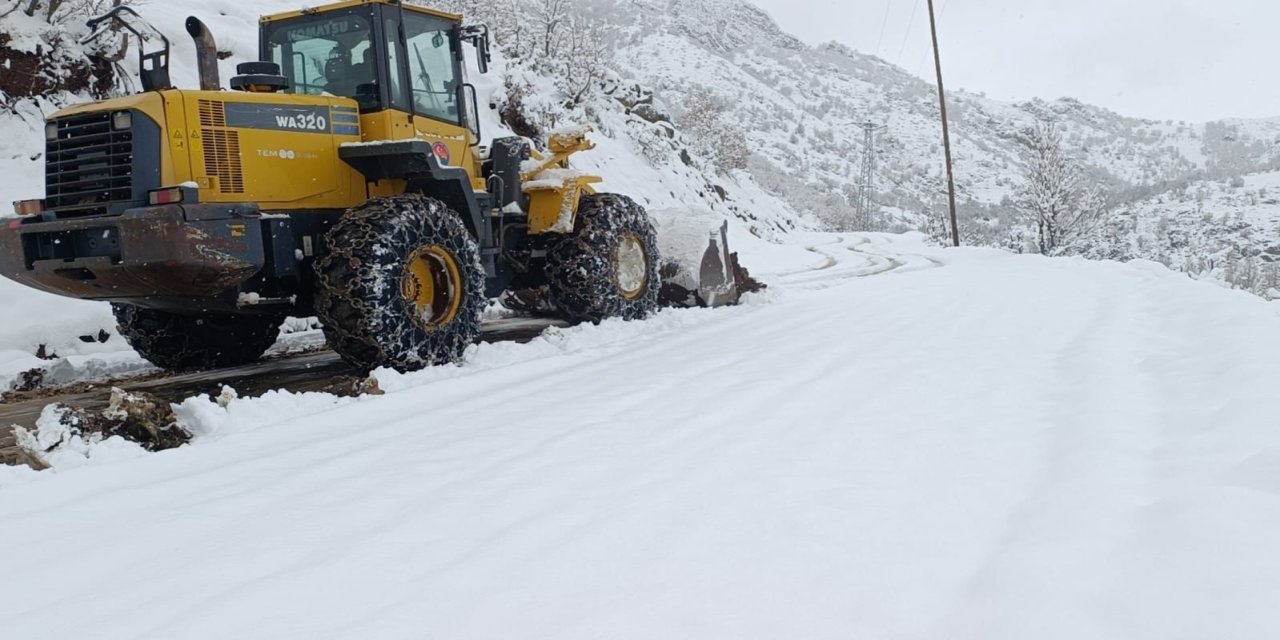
508 20
551 16
585 60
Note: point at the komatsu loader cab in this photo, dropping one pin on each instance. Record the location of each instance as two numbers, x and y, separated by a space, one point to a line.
341 176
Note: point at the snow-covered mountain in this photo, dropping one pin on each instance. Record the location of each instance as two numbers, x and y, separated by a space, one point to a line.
789 114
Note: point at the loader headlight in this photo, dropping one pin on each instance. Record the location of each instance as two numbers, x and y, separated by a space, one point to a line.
50 131
121 120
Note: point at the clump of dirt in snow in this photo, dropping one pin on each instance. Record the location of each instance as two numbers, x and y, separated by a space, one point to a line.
136 417
746 283
142 418
351 386
12 454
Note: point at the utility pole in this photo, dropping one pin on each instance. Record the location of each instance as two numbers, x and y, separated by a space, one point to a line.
866 199
946 133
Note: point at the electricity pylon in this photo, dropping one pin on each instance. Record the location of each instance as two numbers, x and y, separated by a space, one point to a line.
867 198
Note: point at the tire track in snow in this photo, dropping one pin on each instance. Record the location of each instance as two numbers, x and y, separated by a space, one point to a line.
1062 541
848 258
827 263
1206 535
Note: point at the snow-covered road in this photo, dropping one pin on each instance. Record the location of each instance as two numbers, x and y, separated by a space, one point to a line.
895 441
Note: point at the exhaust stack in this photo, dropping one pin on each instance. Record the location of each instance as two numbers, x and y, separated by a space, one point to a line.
206 54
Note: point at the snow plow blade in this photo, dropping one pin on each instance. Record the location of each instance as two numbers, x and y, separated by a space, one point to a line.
716 282
721 279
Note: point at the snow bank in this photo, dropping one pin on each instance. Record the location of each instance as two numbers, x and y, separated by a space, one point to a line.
69 329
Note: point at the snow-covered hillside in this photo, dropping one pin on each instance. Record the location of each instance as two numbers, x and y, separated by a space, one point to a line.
798 106
961 444
1227 230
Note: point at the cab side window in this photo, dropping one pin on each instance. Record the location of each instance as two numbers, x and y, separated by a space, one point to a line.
432 67
395 56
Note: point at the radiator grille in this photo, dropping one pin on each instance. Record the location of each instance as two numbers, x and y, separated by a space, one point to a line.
213 113
222 159
88 167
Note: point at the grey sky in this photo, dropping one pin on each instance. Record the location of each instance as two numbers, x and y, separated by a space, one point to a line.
1173 59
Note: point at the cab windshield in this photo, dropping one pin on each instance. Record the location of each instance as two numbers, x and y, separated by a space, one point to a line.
327 54
400 59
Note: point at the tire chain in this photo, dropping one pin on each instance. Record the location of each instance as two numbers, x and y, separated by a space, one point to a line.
358 300
579 269
187 341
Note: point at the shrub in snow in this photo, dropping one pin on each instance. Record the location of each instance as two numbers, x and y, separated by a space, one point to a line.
41 55
714 136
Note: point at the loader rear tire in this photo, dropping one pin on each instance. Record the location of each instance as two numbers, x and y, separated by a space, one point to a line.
186 341
608 267
401 284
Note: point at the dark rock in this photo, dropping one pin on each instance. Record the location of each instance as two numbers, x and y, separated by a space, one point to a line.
30 380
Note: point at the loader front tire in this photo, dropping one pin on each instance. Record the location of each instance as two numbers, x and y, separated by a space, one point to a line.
608 266
180 341
401 284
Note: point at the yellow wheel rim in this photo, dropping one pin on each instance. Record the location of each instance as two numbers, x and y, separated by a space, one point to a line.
630 263
432 285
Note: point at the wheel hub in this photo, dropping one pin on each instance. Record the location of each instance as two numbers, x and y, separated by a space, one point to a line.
432 283
630 266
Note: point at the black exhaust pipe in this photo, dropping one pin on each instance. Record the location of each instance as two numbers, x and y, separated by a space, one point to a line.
206 54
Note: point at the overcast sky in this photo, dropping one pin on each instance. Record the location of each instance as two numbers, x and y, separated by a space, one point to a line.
1170 59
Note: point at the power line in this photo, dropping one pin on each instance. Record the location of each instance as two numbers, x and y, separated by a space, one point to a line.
925 54
910 23
887 5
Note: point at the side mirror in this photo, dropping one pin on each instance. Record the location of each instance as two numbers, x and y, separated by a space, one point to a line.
471 112
478 36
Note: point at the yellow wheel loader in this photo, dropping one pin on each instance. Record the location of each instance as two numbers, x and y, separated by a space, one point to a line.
341 176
